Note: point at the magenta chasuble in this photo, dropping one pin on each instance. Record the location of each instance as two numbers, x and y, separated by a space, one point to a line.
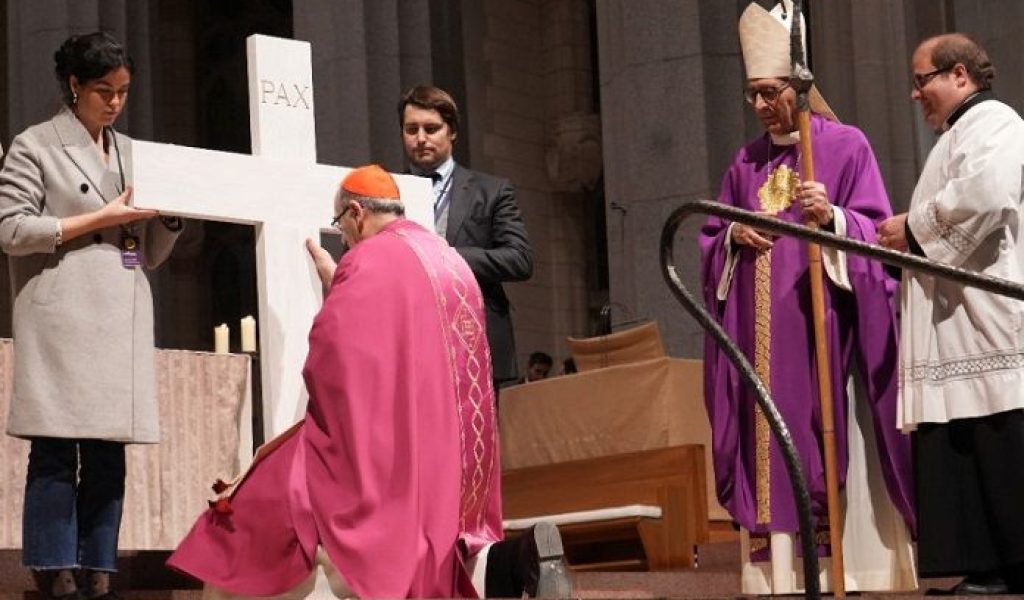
395 469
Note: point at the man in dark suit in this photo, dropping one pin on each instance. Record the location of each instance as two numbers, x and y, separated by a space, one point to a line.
476 212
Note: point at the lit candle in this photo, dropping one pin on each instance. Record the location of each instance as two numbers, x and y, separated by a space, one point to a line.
248 334
220 338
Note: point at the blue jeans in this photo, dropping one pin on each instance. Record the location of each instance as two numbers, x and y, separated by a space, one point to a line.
74 497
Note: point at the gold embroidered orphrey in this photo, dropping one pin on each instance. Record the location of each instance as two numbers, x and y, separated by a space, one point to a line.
468 332
775 195
762 365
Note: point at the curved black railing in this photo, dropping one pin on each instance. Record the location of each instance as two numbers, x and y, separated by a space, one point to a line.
746 371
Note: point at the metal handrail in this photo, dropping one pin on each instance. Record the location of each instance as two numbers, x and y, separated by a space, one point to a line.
696 309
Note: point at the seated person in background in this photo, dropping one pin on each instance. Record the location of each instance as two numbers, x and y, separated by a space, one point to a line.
538 367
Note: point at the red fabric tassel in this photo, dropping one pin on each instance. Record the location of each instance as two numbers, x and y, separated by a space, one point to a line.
222 506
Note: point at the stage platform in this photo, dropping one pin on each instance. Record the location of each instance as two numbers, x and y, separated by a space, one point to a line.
144 577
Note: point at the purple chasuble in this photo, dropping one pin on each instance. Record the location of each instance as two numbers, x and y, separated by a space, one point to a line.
861 327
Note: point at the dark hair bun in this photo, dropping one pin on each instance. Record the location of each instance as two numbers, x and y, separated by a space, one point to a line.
88 57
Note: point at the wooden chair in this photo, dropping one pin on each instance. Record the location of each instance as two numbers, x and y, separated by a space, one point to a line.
639 511
622 347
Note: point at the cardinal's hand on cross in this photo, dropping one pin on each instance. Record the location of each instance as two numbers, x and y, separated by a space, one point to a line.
325 265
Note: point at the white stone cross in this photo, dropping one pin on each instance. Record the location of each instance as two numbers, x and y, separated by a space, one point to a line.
280 190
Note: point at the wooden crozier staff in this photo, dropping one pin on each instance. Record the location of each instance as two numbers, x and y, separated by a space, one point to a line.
802 78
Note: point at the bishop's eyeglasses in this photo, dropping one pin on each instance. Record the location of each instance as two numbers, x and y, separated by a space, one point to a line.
923 79
768 94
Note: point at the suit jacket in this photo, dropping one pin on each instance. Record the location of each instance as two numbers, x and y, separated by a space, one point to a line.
486 228
83 324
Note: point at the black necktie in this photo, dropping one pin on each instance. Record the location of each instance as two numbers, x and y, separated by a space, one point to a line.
439 194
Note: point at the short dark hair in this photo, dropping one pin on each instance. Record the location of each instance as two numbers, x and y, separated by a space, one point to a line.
959 48
540 358
431 97
88 57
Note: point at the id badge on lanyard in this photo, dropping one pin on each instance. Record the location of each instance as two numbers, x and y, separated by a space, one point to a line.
131 251
131 246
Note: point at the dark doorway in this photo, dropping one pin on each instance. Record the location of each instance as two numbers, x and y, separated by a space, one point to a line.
211 277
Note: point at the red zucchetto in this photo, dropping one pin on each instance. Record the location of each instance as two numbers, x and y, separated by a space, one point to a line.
371 181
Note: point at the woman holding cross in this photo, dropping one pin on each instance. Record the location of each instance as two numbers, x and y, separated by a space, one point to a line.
84 383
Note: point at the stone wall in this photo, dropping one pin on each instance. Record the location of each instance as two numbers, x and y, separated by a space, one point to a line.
672 114
532 120
663 112
671 76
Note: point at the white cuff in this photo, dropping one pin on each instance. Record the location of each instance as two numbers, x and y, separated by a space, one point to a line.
725 280
834 259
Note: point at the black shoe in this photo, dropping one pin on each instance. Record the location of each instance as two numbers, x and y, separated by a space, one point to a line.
532 564
971 586
542 564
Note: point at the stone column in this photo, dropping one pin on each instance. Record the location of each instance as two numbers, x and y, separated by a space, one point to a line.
563 238
861 64
364 53
529 117
670 91
861 53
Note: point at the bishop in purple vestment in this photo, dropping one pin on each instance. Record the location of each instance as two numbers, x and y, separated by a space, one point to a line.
761 295
758 288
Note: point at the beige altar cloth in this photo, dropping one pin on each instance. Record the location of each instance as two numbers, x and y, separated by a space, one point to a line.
202 399
625 408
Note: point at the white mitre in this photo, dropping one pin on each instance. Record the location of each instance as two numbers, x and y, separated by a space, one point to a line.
764 38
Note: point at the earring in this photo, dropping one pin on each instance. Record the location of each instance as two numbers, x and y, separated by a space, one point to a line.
74 97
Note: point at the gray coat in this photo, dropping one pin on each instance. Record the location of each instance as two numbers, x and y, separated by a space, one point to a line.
83 323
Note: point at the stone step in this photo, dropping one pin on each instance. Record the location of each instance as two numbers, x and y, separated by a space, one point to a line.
681 584
138 571
695 583
143 576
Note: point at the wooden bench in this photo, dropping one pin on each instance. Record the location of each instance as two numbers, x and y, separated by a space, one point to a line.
660 495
